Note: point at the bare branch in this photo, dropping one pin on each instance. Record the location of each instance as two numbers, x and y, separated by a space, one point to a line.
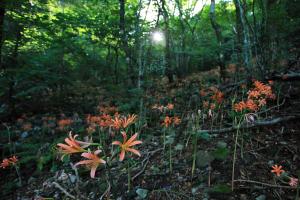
253 125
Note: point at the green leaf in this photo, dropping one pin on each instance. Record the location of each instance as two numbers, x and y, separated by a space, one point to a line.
220 153
203 135
220 188
203 158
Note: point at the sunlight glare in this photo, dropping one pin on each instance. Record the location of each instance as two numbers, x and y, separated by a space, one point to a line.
157 36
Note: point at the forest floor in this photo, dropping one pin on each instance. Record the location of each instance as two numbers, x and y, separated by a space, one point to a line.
45 177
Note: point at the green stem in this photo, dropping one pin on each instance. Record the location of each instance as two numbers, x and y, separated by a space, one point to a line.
129 176
298 191
19 175
100 138
194 154
164 139
170 158
234 152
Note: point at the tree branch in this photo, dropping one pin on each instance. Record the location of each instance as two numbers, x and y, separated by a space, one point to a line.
252 125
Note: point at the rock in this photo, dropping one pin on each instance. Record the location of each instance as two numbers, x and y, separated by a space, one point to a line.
243 197
72 178
261 197
31 180
142 193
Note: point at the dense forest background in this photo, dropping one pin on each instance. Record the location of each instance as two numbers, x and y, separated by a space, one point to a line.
210 87
52 51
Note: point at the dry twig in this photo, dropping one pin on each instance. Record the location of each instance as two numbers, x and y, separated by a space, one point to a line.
63 190
264 184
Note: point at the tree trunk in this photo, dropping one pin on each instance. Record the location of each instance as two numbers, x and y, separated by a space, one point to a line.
243 38
124 42
2 14
220 39
168 65
11 84
116 66
183 65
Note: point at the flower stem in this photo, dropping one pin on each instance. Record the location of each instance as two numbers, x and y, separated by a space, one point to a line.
194 154
234 152
170 158
19 175
164 139
129 176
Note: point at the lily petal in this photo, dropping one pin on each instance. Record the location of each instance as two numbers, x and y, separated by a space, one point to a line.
117 143
134 151
122 155
135 143
132 138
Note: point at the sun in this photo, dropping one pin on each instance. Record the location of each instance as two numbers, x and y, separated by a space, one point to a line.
157 36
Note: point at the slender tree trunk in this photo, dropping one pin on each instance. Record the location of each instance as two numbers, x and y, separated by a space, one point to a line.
265 34
243 37
11 84
183 64
2 14
124 42
168 64
220 39
116 66
256 43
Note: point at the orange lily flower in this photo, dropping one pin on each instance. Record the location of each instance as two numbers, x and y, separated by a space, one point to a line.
117 122
176 120
13 159
170 106
5 163
238 107
212 106
93 162
127 144
126 121
9 161
167 121
253 94
64 122
277 169
205 104
218 96
73 145
202 93
251 105
262 102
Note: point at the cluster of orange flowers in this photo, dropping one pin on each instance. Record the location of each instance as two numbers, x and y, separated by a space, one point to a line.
278 171
123 121
105 120
162 108
9 162
257 97
64 123
73 146
169 120
215 95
